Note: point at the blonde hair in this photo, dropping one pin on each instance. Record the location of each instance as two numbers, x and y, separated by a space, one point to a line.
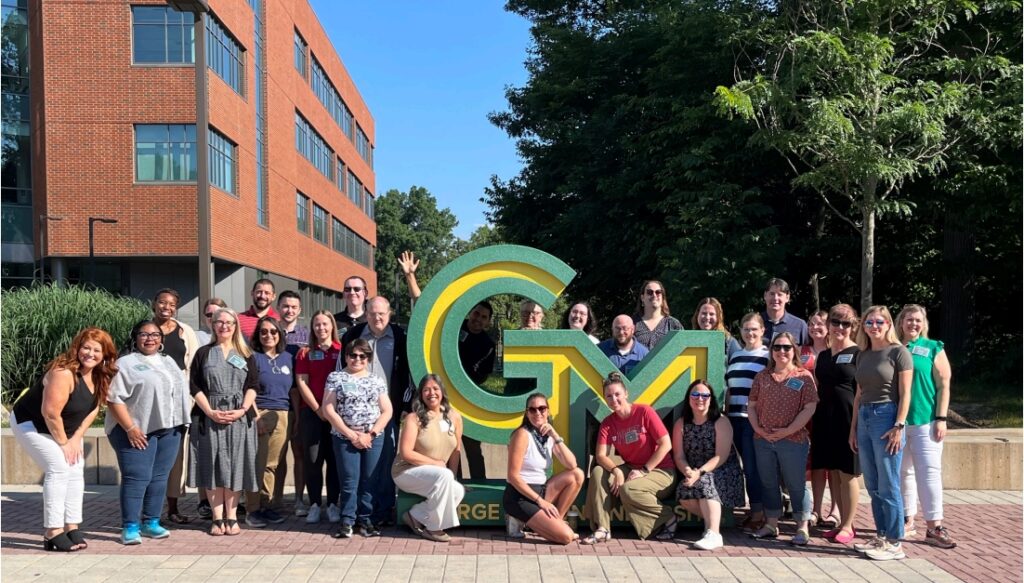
863 341
237 341
906 311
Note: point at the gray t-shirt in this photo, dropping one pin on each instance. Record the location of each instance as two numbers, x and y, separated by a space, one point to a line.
876 373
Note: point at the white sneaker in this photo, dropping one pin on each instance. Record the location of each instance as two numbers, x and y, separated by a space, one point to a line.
710 541
333 513
313 515
301 509
874 544
888 552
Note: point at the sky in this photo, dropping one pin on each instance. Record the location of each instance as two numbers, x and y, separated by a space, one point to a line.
430 73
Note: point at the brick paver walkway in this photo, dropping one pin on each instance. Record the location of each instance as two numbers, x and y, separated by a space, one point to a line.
987 524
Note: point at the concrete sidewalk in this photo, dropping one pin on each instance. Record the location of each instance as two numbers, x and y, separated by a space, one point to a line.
987 525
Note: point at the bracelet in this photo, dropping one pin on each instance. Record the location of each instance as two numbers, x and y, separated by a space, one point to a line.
940 417
130 429
559 441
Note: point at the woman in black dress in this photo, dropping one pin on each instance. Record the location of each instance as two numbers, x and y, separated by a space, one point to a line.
830 429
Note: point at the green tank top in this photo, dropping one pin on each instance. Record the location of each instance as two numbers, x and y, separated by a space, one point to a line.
922 391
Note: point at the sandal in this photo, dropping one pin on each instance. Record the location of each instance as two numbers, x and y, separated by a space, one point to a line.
765 532
751 524
600 535
815 519
77 539
217 528
231 527
178 518
668 532
58 544
830 521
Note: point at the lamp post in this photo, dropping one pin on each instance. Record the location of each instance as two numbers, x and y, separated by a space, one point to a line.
43 219
199 8
92 251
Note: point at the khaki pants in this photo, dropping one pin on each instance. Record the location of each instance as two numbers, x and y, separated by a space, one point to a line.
270 453
176 479
639 499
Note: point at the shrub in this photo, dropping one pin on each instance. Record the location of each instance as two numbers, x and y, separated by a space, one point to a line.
40 321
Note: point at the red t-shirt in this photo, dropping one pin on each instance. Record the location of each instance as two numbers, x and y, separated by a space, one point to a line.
248 319
636 437
316 363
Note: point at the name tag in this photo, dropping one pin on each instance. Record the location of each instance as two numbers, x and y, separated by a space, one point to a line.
286 370
349 387
316 355
141 367
632 436
921 351
805 358
844 359
237 361
795 384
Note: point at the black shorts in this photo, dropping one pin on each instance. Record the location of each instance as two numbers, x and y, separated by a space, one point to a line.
519 506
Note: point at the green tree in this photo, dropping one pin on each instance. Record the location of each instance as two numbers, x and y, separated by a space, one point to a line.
862 98
412 221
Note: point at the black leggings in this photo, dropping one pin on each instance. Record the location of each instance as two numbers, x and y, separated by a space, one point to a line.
317 448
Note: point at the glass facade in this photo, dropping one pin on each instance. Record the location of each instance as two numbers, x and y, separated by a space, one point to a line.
260 89
223 162
162 35
313 147
16 223
165 153
330 98
348 243
224 56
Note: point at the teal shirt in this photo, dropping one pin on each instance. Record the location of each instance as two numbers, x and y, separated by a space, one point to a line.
922 390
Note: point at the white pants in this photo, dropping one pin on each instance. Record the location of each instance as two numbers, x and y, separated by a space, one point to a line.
440 510
922 472
63 485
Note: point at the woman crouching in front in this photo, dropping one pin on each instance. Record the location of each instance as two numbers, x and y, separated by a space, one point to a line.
429 451
530 497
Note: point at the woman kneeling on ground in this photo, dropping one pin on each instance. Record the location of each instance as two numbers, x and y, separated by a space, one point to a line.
530 497
647 476
428 457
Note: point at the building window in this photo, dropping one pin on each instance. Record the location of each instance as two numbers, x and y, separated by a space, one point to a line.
330 98
368 203
319 224
363 145
302 213
348 243
313 147
301 56
337 235
225 56
161 34
355 189
339 175
223 162
165 153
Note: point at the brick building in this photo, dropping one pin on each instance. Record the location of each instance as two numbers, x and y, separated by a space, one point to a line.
104 127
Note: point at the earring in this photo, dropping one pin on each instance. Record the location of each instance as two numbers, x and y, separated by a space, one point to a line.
161 349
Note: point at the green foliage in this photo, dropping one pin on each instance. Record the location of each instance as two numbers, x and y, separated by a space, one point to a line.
39 323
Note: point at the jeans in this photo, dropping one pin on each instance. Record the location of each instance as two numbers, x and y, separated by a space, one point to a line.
922 472
384 486
144 471
783 462
315 435
743 438
881 469
357 470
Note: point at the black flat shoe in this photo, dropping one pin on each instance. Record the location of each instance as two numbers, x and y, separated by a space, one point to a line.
59 544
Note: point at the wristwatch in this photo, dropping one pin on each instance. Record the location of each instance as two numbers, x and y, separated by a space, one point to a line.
900 425
373 434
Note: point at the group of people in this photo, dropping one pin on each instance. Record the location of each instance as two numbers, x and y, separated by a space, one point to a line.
835 395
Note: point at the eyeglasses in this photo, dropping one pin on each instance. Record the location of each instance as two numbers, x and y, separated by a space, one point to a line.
269 332
700 396
654 292
541 409
358 356
144 335
750 330
352 290
841 323
874 323
782 347
225 323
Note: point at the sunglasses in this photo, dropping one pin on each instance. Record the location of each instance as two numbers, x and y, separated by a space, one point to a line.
840 323
352 289
541 409
211 314
358 356
269 332
654 292
782 347
874 323
700 396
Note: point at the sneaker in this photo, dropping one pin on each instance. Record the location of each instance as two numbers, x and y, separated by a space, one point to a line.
710 541
130 534
333 513
344 531
151 528
871 545
908 531
255 519
313 516
939 537
888 552
271 516
301 509
204 510
368 529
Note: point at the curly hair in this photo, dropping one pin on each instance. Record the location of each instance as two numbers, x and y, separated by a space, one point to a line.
420 408
104 371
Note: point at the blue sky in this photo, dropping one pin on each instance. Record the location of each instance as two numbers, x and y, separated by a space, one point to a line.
430 73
